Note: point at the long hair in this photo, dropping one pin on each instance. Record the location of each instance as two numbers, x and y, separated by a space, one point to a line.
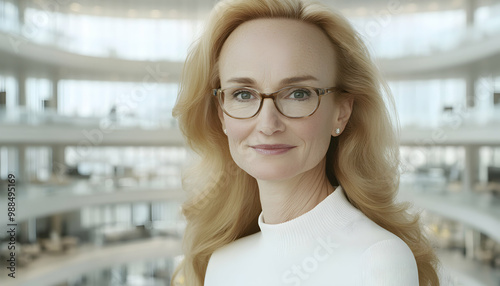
224 202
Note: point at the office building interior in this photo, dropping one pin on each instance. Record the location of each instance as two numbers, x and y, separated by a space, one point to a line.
87 89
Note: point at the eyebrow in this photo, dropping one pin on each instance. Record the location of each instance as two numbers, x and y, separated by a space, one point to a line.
290 80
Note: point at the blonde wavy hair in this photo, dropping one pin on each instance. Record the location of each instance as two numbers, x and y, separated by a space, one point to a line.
224 200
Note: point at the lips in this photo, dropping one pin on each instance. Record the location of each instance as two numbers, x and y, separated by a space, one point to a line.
272 149
272 146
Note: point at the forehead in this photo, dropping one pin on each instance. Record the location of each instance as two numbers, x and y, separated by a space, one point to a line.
269 50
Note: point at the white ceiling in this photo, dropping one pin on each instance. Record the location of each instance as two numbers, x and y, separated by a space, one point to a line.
200 8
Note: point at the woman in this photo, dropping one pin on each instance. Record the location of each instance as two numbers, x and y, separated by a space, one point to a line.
298 166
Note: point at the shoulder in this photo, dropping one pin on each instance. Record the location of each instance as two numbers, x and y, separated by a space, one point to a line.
237 248
364 233
230 258
389 262
385 258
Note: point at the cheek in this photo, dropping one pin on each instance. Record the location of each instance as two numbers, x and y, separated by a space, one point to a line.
312 132
237 132
235 128
319 136
319 132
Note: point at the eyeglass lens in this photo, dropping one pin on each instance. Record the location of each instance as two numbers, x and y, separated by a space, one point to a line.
292 101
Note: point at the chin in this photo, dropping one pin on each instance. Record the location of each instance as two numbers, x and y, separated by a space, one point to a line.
268 174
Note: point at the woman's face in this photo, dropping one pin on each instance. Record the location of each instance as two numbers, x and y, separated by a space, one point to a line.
261 54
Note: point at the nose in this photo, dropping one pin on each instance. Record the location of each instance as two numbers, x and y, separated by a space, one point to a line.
269 118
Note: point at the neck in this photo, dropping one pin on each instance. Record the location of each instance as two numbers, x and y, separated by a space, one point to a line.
284 200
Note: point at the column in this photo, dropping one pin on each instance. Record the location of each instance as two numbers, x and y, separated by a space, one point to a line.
21 87
59 163
470 8
471 168
55 95
470 88
472 242
21 6
56 225
21 164
151 215
27 231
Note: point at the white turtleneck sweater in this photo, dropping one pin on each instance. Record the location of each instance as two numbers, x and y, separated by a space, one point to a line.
332 244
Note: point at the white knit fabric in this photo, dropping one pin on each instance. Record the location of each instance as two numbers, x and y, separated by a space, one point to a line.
332 244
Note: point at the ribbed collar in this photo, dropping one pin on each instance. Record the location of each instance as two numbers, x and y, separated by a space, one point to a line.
331 214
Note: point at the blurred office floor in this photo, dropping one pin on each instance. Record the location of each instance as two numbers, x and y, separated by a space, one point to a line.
86 93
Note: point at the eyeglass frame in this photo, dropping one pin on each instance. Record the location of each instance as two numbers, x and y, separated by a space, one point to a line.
319 91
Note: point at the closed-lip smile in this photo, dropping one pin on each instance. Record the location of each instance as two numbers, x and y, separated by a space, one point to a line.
272 146
272 149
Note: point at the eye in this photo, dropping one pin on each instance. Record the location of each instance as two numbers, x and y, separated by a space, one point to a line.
301 93
242 94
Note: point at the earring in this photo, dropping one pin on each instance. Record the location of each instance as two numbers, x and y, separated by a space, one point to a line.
225 132
337 131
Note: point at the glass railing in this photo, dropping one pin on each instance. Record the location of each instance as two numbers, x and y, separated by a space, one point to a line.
108 37
390 36
97 185
442 102
393 45
420 34
412 116
48 117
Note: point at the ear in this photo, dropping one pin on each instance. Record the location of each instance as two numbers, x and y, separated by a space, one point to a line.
344 113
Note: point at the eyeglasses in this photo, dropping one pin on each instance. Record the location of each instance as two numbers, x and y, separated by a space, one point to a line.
291 101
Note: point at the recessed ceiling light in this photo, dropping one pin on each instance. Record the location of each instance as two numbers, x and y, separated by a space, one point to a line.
411 7
155 13
433 6
173 13
457 3
346 11
361 11
75 7
131 13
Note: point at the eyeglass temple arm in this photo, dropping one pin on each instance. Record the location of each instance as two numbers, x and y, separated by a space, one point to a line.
332 89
